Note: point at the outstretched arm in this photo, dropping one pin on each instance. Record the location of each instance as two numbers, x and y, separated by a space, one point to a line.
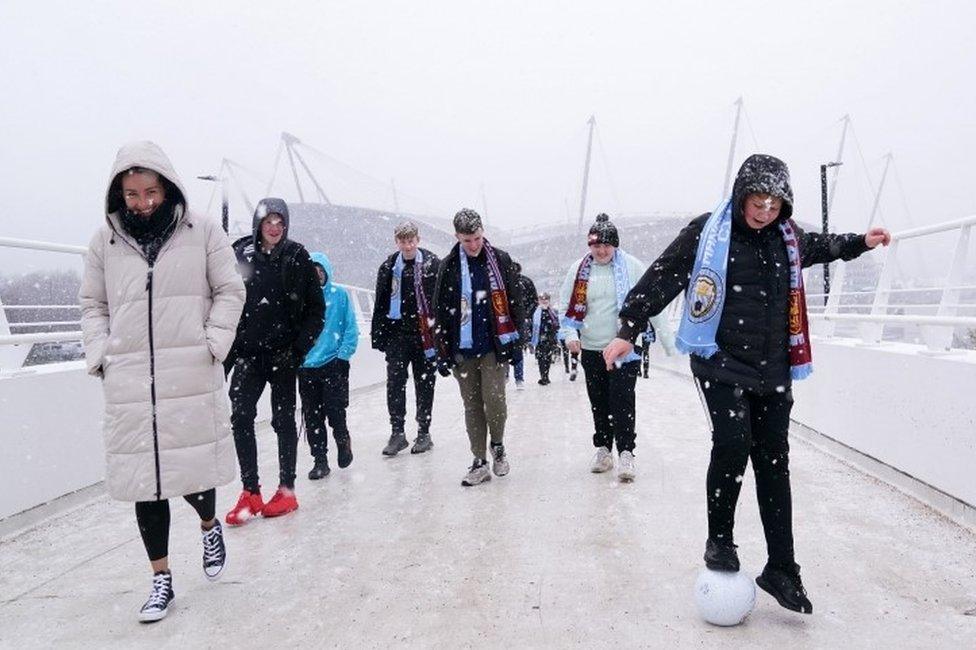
818 248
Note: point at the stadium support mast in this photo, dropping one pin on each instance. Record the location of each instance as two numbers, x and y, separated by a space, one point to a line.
290 141
735 136
839 158
586 173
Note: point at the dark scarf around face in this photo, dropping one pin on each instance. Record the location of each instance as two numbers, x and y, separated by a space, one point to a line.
151 232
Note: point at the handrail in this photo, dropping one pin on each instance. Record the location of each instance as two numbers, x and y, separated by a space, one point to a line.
945 226
5 306
42 246
970 287
952 321
39 337
53 323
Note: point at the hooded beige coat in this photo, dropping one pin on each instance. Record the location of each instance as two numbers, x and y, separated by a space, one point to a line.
157 338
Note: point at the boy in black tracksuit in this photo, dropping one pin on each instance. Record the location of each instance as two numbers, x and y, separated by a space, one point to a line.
746 384
401 337
282 318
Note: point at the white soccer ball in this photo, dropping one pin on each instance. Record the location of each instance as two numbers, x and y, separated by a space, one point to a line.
723 597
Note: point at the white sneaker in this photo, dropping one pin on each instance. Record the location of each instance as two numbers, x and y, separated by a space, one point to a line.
602 461
500 460
519 384
479 472
160 599
627 469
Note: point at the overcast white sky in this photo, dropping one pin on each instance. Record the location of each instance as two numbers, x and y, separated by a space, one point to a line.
446 95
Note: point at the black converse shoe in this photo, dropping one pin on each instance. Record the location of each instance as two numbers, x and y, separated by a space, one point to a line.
160 599
214 551
785 586
721 555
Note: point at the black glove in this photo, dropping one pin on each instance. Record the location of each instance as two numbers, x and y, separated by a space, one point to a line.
443 369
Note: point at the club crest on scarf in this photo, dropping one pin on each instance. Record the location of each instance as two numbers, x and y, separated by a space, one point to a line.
465 311
706 293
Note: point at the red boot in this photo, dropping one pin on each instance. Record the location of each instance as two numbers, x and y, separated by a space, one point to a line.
249 505
281 503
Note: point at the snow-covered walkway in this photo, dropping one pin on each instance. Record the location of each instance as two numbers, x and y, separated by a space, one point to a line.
395 552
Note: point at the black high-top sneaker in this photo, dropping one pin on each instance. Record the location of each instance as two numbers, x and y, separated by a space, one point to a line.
344 452
721 555
160 599
422 443
398 442
214 551
784 584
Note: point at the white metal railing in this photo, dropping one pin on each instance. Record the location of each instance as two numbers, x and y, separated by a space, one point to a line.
936 329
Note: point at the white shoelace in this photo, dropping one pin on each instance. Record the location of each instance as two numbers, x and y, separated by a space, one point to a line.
160 593
211 546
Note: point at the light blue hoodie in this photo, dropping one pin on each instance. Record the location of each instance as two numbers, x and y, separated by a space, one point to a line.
340 335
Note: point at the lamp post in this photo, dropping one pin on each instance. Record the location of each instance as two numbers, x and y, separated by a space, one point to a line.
823 207
224 208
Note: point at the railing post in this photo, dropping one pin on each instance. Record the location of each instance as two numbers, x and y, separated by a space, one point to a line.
828 327
937 337
872 333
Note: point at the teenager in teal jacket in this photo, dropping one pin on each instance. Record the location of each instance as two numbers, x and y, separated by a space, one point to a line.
323 380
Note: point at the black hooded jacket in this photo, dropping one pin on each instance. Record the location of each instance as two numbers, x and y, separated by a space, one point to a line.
447 307
383 328
753 334
284 277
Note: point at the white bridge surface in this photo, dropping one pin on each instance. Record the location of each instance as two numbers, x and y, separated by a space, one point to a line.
394 552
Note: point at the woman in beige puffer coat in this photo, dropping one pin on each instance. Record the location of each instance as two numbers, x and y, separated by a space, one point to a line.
160 299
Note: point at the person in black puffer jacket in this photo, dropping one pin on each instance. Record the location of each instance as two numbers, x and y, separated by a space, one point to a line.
746 384
399 332
283 316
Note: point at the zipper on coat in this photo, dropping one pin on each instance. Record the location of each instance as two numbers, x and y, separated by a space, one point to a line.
152 380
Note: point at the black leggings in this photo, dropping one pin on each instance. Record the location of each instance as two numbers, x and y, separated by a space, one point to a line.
611 394
747 425
153 520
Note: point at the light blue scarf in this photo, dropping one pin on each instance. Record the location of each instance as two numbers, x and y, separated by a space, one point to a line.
576 311
467 304
395 295
705 297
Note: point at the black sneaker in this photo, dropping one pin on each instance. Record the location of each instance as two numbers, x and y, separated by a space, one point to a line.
320 470
785 586
398 442
721 555
160 599
422 443
344 449
214 552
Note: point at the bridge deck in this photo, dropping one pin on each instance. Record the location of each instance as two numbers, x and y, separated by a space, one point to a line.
396 551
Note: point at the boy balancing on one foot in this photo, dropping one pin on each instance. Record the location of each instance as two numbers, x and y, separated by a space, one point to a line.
745 325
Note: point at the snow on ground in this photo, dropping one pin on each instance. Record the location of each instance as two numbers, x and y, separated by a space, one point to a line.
395 551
